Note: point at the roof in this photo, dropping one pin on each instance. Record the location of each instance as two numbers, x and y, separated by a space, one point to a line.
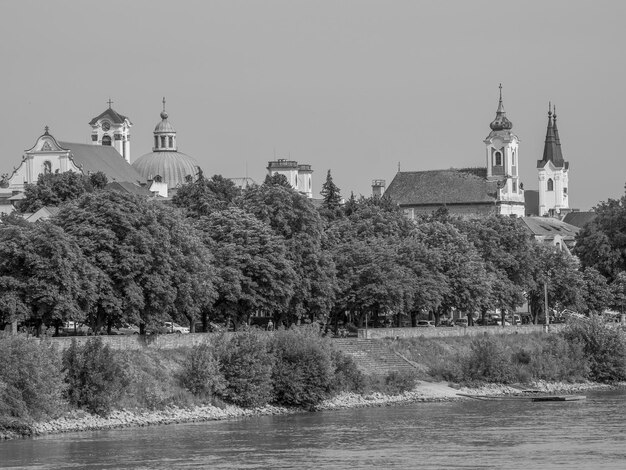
125 187
172 167
42 214
454 186
113 116
579 219
548 227
531 202
93 158
552 146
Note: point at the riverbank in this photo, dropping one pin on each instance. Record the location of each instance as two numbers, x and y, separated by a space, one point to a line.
77 421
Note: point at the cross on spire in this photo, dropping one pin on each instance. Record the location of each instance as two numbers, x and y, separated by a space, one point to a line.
46 129
164 103
110 102
500 91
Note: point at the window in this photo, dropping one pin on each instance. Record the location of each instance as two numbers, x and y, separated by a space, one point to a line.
564 190
156 142
106 140
498 159
162 141
514 186
47 167
513 158
550 185
171 139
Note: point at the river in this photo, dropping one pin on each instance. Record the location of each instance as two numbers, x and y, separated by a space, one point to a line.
590 434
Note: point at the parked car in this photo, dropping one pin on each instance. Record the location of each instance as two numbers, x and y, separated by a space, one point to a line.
172 327
125 330
446 322
425 324
461 322
75 328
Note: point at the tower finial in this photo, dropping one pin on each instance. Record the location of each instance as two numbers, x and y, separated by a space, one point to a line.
46 130
500 92
163 113
554 111
110 102
549 108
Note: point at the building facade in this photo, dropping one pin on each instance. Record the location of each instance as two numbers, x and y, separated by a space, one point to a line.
300 177
553 173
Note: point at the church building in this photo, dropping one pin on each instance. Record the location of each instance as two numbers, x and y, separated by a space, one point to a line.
492 189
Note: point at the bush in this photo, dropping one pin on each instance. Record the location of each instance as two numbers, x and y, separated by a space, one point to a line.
604 347
488 361
96 380
31 382
347 376
560 360
303 373
246 364
397 382
201 372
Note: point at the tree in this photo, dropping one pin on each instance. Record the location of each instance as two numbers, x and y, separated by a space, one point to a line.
44 276
203 196
254 272
53 189
293 217
138 255
618 291
597 295
331 194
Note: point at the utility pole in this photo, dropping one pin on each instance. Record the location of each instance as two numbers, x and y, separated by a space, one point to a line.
545 294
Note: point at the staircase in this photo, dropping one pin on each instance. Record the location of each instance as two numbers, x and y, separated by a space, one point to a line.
371 356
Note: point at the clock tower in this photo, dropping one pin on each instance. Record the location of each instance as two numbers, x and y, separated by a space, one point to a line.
112 129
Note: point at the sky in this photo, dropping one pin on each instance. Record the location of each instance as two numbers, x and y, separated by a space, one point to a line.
355 86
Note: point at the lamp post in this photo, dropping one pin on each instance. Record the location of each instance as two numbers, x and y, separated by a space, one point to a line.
545 295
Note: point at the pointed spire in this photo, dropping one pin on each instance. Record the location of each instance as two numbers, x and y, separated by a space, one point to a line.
552 145
110 102
501 122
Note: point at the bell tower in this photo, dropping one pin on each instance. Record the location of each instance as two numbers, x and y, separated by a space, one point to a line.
502 154
553 172
112 129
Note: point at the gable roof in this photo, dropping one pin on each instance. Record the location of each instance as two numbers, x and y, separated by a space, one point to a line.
92 158
113 115
548 227
579 219
454 186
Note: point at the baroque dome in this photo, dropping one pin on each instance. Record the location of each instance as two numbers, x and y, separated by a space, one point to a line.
168 166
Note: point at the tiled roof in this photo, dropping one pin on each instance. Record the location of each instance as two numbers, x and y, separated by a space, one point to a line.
579 219
113 115
548 227
126 187
92 158
441 187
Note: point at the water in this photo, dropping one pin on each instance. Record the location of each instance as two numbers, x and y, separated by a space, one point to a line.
471 434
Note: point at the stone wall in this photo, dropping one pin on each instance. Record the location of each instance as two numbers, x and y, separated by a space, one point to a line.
440 332
132 342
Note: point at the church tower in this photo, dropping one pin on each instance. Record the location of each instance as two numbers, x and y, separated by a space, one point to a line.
553 172
112 129
502 153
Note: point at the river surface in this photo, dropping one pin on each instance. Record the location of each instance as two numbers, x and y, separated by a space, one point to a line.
590 434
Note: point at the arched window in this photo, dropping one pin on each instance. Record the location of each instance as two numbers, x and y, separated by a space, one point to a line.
156 142
498 159
106 140
162 141
514 186
513 158
171 139
550 185
47 167
158 179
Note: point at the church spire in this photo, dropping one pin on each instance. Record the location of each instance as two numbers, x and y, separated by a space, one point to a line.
501 122
552 146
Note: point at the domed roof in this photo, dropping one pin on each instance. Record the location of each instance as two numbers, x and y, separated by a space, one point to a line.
501 122
164 126
172 167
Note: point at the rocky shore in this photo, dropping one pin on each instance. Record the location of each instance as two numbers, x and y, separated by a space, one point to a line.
423 392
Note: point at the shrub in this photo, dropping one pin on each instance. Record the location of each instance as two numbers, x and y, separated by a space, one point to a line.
604 347
488 361
347 376
399 381
95 378
246 364
31 382
560 359
201 372
303 373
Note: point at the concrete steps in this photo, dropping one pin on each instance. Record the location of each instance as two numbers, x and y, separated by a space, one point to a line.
371 356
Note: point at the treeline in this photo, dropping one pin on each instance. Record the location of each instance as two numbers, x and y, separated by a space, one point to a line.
221 254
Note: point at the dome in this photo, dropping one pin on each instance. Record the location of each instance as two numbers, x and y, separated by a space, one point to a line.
501 122
164 126
172 167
